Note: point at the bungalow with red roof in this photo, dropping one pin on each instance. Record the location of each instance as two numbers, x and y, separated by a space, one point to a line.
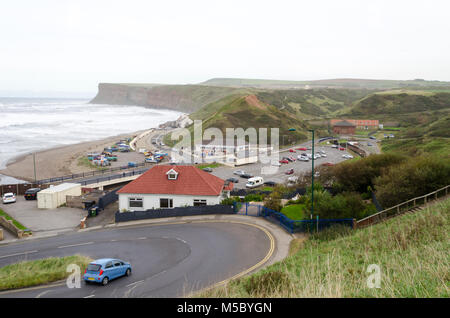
169 186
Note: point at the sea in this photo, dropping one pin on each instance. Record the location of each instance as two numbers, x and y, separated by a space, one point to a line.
33 124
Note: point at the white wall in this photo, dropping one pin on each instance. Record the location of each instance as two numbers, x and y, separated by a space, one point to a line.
151 201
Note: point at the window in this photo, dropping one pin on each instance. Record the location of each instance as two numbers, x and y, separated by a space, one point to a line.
166 203
172 176
136 202
117 263
109 265
199 202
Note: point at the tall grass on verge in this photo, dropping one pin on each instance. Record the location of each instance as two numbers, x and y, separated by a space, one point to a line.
38 272
411 250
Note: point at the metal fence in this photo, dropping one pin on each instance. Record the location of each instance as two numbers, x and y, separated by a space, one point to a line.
402 207
292 226
107 199
113 177
174 212
89 174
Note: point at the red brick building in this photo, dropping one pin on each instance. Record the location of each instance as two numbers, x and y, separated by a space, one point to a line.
344 127
359 123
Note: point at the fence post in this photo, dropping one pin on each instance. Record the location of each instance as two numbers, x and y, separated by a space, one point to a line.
355 225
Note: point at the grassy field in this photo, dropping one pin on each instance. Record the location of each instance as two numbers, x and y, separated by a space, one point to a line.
38 272
294 211
19 225
410 250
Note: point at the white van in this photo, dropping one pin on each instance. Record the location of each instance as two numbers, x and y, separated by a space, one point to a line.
254 182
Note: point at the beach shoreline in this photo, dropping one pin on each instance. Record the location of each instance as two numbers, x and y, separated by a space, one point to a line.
58 161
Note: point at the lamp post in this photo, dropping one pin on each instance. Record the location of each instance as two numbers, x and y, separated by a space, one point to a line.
312 175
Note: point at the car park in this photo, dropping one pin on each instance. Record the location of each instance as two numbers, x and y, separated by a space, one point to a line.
9 198
233 180
104 270
31 194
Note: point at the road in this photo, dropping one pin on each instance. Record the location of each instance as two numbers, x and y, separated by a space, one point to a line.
169 260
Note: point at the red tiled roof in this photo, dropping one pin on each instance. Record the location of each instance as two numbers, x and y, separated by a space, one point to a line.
190 181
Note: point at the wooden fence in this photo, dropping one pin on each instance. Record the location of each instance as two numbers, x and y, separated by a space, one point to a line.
402 207
20 188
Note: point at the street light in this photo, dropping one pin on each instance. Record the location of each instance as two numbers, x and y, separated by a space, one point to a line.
312 175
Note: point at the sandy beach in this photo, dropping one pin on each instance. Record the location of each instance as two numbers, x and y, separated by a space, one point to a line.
58 161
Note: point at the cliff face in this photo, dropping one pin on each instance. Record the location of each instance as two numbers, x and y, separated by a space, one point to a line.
184 98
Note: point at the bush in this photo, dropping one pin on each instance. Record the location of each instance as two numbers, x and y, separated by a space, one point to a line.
253 197
358 175
416 177
273 201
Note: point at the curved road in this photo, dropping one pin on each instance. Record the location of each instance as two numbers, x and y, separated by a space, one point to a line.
170 260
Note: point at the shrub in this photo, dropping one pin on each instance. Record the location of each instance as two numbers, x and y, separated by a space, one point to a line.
416 177
253 197
273 201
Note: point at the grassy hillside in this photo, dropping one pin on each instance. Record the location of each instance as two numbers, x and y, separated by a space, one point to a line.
245 111
401 102
331 83
411 251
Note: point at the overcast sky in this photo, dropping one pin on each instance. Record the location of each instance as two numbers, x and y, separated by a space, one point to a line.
71 46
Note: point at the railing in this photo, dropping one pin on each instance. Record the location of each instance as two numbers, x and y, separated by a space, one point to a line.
88 174
116 176
402 207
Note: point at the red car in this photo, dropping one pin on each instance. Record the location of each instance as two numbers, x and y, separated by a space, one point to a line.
302 148
342 149
290 171
291 150
329 164
284 161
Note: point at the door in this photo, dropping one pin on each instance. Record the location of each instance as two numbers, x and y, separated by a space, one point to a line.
118 268
109 270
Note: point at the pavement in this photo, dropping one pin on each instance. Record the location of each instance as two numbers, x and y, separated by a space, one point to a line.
170 257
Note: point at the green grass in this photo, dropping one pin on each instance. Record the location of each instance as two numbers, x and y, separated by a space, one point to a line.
85 162
294 211
411 251
19 225
208 165
38 272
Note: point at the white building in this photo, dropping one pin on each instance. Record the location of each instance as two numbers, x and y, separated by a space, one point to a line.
169 186
53 197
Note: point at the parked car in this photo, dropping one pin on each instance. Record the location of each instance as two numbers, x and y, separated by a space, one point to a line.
302 158
151 160
254 182
132 164
290 171
233 180
293 179
374 138
239 172
317 156
346 156
284 161
270 183
291 150
207 169
31 194
369 144
334 146
275 163
302 148
9 198
341 148
106 269
246 176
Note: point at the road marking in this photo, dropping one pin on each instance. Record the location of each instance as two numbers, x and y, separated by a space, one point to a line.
138 282
113 241
81 244
10 255
90 296
43 293
142 238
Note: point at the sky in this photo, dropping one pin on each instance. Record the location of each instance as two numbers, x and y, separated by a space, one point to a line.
68 47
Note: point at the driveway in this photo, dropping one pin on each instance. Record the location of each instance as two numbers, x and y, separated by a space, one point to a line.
38 220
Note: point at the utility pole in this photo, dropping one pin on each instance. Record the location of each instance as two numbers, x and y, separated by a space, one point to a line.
34 163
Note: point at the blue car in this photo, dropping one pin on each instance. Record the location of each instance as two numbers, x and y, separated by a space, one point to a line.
103 270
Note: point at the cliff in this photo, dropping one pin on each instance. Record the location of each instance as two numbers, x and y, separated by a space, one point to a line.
184 98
